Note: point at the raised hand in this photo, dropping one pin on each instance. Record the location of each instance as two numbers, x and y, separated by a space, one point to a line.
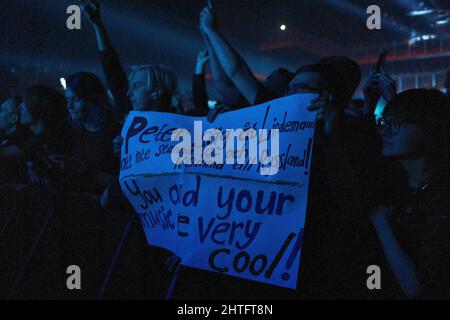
208 20
202 60
92 10
371 89
324 108
117 145
379 85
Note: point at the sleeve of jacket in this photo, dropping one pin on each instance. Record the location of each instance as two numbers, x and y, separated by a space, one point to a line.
117 82
200 95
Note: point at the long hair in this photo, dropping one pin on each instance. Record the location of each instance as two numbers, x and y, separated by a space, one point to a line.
88 87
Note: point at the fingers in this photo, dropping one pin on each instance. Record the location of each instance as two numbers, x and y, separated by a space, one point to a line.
117 144
385 77
173 263
87 8
313 108
212 115
86 5
203 53
118 139
318 104
204 12
207 11
90 7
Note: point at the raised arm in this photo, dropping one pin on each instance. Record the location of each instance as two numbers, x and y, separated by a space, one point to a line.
226 88
232 63
112 67
199 92
92 10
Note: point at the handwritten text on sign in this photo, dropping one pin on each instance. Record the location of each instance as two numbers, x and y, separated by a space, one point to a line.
226 218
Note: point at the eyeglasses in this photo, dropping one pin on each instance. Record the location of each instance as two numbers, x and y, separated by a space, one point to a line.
389 127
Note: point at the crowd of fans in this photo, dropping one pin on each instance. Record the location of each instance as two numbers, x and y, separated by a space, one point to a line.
378 191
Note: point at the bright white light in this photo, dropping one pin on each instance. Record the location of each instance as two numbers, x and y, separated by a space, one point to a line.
424 37
63 83
420 12
212 104
283 27
442 22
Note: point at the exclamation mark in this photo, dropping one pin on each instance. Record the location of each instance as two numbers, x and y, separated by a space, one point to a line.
290 261
279 255
308 156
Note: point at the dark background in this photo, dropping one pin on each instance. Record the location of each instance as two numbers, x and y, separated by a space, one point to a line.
36 44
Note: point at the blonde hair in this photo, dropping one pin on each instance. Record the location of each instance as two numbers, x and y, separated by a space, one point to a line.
158 76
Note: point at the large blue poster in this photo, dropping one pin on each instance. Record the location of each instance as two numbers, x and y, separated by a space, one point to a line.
242 216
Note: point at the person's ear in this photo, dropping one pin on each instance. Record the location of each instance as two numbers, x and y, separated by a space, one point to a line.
157 93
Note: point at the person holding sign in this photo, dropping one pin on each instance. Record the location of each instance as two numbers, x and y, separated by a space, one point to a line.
343 187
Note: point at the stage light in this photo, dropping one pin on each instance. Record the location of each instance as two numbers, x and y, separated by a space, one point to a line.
63 83
425 37
283 27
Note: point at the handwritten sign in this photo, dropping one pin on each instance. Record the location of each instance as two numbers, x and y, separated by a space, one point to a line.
226 218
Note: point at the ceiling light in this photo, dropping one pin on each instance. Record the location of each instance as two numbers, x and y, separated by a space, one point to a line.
442 22
420 12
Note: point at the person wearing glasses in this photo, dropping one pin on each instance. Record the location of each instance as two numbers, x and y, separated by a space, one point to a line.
339 240
334 79
413 227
